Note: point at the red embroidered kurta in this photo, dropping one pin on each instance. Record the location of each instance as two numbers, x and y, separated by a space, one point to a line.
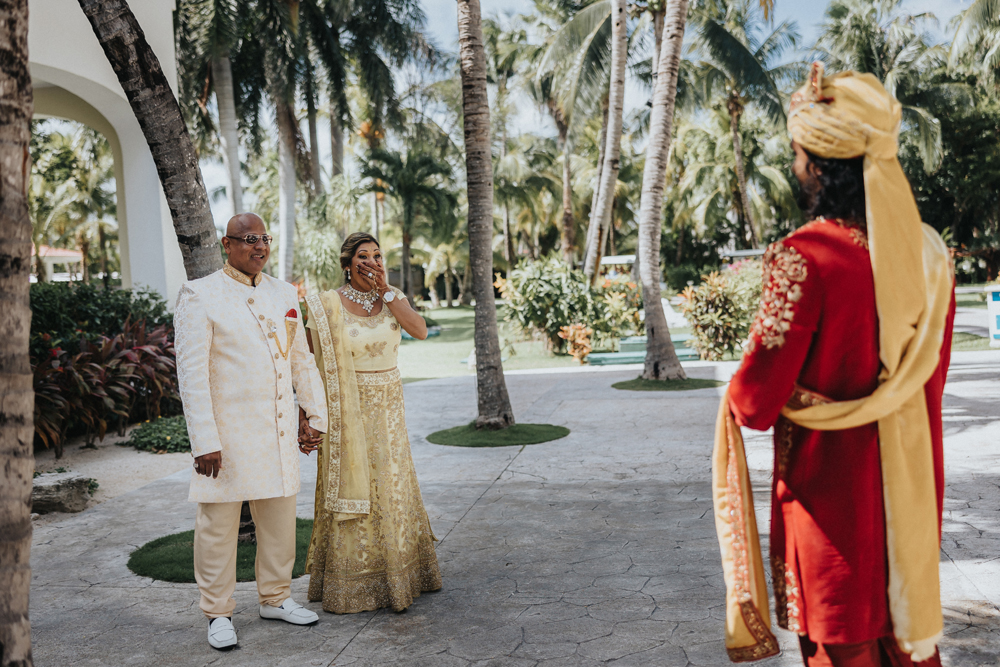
815 337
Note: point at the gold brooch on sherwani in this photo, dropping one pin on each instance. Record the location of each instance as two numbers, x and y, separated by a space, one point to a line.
291 325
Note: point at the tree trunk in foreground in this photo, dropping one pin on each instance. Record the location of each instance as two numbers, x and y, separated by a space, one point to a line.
613 148
494 404
661 358
447 283
17 462
568 223
593 222
336 143
735 111
286 188
229 137
159 116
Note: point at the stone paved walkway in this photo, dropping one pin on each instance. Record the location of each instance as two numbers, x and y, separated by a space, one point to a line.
596 549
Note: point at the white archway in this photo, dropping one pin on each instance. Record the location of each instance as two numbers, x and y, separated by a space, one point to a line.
73 80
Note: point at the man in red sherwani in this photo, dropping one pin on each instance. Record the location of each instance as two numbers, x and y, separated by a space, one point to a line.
819 340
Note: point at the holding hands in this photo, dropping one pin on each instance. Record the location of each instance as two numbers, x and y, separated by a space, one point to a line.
309 438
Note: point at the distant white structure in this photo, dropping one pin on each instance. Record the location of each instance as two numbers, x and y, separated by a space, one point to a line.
70 260
73 80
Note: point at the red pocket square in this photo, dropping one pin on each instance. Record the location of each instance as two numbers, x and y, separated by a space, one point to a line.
292 314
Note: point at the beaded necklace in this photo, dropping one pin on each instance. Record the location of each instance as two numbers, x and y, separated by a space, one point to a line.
366 300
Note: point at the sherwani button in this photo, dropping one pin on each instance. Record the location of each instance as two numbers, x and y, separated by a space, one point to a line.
276 356
279 376
250 300
279 397
261 317
280 415
282 434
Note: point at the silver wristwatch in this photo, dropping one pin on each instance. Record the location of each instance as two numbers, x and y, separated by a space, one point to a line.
389 296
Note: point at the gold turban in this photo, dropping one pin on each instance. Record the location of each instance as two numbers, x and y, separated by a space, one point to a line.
851 115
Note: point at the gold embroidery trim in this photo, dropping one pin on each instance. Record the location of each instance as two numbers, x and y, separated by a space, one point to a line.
766 644
333 407
784 271
377 378
239 276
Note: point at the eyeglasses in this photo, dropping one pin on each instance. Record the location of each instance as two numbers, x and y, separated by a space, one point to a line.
251 239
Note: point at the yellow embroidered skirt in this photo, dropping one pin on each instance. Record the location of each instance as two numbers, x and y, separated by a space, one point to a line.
385 559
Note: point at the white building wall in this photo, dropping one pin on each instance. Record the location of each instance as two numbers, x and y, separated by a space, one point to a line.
64 53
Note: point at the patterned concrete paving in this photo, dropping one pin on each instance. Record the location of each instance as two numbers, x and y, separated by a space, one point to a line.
596 549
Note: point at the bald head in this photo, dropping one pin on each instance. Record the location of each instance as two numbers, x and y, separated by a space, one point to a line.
245 223
249 258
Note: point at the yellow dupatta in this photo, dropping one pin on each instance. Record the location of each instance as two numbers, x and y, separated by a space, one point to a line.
841 117
342 484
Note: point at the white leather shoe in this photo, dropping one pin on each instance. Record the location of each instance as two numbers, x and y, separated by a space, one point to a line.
290 611
221 634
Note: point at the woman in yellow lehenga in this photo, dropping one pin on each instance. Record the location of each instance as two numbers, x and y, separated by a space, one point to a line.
372 545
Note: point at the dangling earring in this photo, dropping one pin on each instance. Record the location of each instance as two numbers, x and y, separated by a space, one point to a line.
348 274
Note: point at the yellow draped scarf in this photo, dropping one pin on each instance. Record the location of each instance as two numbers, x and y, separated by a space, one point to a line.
846 116
342 483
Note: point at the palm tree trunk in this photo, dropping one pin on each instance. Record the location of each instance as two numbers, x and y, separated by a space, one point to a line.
336 142
613 148
657 39
509 253
17 461
447 283
84 266
661 358
225 98
102 242
568 223
494 404
159 116
375 225
735 111
314 171
594 217
407 274
286 187
465 287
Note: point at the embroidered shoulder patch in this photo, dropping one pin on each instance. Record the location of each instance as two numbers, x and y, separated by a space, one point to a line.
784 271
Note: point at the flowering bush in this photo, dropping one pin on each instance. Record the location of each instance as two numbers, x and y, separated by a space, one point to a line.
722 307
165 434
547 295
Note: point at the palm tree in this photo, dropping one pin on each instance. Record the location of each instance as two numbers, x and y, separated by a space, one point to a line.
661 359
494 403
162 123
16 458
417 182
745 66
612 151
571 81
978 38
878 39
207 34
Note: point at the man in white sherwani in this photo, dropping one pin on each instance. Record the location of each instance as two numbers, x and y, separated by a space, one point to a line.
242 359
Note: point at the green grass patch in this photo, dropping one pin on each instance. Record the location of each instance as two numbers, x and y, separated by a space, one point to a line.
519 434
171 558
166 434
966 342
640 384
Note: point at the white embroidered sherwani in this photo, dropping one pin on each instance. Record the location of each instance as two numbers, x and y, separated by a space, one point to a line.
237 386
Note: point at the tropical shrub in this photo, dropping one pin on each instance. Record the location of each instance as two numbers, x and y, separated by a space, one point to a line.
161 435
547 295
101 359
622 302
69 312
721 309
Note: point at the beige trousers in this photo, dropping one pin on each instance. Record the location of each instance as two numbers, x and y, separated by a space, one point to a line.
215 530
